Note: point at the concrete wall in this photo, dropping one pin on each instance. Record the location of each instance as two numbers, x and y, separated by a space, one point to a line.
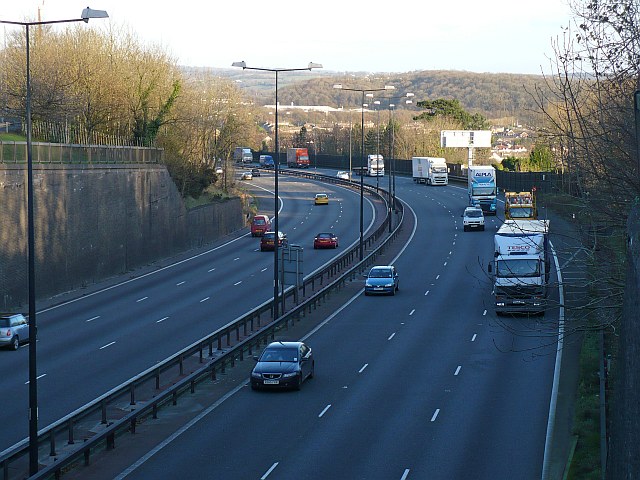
93 222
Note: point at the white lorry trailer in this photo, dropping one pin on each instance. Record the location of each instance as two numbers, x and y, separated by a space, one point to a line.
242 155
430 170
375 166
521 266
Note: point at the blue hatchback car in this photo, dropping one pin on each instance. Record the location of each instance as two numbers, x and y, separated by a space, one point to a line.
381 280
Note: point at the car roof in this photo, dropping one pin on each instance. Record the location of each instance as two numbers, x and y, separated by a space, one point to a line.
325 233
321 194
284 344
382 267
471 209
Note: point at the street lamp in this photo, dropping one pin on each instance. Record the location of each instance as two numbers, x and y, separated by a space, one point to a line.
86 14
363 91
392 197
377 104
309 67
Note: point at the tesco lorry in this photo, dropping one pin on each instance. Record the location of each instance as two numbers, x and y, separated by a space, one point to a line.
430 170
297 157
482 188
521 266
375 166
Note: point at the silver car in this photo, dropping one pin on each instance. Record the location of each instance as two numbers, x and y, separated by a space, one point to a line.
14 330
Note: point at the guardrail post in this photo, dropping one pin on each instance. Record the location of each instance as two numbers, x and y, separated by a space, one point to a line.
111 441
104 412
87 454
132 392
132 424
70 431
228 338
52 445
201 353
158 379
181 363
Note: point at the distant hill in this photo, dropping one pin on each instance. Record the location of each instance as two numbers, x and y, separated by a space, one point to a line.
494 95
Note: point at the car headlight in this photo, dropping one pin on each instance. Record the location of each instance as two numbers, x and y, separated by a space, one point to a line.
389 284
288 375
256 375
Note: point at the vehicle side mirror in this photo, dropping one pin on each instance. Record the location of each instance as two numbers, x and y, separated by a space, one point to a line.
255 357
365 275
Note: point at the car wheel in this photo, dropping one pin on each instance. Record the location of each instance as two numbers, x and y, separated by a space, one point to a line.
299 382
393 291
254 387
313 370
482 228
15 343
366 294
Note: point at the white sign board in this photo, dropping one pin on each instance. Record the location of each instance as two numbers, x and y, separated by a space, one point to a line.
465 138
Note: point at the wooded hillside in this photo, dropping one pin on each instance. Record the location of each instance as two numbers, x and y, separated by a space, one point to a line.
494 95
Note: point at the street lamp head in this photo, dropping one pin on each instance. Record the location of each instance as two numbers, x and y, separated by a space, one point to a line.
408 101
391 105
314 65
370 95
389 87
338 86
409 95
88 13
377 102
241 64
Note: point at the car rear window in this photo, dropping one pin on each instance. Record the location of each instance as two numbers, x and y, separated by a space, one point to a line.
5 322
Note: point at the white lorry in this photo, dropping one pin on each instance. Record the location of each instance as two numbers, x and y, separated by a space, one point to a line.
375 166
242 155
521 266
430 170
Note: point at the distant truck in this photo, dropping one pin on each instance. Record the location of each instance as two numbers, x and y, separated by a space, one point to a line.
297 158
430 170
242 155
375 166
266 161
520 205
482 188
521 266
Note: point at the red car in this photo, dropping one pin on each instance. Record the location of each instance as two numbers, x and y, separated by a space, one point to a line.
325 240
259 225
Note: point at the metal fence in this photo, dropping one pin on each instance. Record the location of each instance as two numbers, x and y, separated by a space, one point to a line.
70 154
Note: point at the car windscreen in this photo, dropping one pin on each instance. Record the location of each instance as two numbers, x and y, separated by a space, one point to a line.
280 355
259 221
380 273
474 213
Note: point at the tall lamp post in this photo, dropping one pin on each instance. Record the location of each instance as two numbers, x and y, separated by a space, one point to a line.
311 66
86 14
377 107
362 104
392 199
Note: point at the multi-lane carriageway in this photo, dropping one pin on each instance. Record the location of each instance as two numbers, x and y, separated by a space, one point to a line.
426 384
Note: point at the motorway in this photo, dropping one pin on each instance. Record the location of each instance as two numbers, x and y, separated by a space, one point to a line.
428 384
93 343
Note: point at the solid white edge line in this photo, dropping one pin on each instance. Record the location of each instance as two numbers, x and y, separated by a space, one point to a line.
546 461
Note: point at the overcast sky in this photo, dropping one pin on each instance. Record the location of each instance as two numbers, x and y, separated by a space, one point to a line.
349 35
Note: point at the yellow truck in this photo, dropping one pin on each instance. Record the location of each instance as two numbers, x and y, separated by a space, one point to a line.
520 206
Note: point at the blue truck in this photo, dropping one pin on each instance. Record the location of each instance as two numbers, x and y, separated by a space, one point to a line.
482 188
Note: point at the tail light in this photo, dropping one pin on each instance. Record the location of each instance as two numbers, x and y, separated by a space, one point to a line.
8 334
